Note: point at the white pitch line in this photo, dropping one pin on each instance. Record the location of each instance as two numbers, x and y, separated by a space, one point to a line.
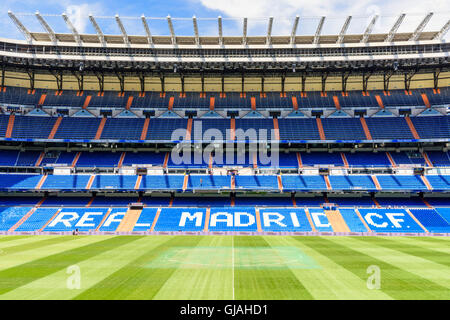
232 261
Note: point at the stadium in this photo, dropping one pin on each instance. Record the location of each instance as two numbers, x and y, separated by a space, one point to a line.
291 165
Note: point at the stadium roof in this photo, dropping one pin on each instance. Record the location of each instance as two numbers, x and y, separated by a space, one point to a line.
416 33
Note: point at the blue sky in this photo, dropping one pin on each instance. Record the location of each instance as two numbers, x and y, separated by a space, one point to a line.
257 10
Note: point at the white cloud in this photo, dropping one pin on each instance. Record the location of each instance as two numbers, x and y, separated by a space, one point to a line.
283 9
78 14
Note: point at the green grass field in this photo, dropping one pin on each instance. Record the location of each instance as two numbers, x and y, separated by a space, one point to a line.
222 267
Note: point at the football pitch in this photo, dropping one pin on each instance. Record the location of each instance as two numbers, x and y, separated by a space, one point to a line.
224 267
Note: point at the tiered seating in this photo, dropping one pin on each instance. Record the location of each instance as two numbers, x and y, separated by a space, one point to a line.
298 129
211 129
255 129
65 201
401 182
78 128
256 182
37 220
170 219
367 159
145 219
123 128
114 182
187 160
18 181
351 182
113 221
28 158
343 129
139 158
352 220
320 220
180 201
32 126
303 183
11 201
10 215
293 220
432 127
321 158
389 128
209 182
431 220
313 99
439 159
83 219
155 182
285 160
389 220
353 201
4 119
162 129
8 158
249 201
99 159
413 201
293 129
233 219
66 182
407 158
439 182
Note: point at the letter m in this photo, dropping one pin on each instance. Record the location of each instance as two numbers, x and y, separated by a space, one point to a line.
191 217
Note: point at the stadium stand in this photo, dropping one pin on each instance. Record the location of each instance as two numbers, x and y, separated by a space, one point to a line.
365 156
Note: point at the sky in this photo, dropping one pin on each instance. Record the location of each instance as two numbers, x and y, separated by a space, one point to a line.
231 11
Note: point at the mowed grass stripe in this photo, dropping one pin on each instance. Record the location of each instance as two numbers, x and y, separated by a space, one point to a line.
92 271
438 247
396 282
264 283
15 277
17 259
138 280
11 238
205 282
331 280
420 267
409 248
437 240
36 245
25 240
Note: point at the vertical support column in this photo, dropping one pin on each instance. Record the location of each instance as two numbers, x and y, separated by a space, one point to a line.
294 102
299 160
366 128
336 102
10 127
208 214
100 129
232 129
276 129
55 128
379 101
258 220
129 102
188 130
145 129
138 182
86 102
362 220
412 128
320 128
